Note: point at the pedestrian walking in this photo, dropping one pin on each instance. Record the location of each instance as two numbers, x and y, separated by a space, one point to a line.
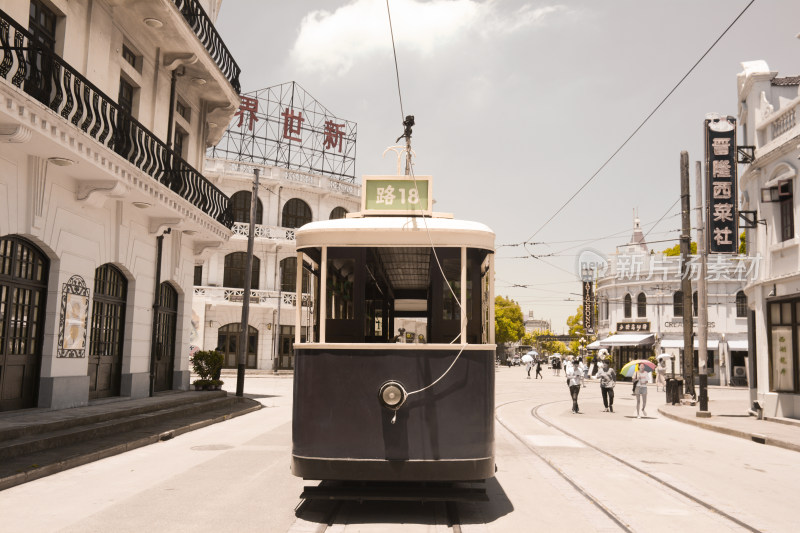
574 382
661 372
641 378
539 369
608 379
528 367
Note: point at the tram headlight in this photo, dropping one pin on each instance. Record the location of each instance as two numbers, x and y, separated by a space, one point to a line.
392 394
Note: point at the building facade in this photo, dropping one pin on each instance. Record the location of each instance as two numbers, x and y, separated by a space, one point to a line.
640 311
768 109
287 199
107 109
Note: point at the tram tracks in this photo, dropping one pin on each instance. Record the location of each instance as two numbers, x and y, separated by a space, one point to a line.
595 499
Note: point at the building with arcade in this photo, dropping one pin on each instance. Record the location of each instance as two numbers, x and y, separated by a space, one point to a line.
107 109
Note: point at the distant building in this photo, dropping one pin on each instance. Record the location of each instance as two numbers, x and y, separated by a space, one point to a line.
640 312
107 108
769 108
533 325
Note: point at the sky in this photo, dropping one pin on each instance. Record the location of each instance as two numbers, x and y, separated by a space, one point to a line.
518 103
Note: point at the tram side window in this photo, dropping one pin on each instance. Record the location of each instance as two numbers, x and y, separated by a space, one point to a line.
451 288
340 285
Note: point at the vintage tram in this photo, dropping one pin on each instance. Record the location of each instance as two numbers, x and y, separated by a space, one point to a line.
370 403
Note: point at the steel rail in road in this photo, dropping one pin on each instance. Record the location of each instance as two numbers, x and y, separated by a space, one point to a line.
619 521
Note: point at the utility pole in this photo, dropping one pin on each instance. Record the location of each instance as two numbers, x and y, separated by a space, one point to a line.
241 357
702 294
686 283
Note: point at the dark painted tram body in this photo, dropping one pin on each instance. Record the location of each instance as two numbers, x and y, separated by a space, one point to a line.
367 272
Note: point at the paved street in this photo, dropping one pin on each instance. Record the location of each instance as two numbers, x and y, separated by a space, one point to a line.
234 476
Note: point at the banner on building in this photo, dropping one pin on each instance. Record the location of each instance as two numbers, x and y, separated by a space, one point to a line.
588 307
722 228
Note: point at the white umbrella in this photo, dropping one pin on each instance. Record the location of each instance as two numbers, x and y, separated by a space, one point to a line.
527 358
602 353
556 355
664 356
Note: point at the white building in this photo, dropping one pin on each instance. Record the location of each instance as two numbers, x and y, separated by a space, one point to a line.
287 199
768 112
640 311
106 110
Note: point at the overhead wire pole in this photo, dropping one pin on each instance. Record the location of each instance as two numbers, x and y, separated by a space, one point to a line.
241 356
686 283
702 294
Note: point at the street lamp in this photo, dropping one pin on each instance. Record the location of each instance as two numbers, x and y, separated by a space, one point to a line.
582 342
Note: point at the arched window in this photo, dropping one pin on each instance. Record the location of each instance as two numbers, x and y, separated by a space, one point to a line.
741 304
338 212
289 276
694 304
23 293
628 306
641 305
235 267
166 327
240 205
295 213
228 343
108 331
677 303
605 309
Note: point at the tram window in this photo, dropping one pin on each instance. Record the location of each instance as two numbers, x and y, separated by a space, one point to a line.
340 285
451 290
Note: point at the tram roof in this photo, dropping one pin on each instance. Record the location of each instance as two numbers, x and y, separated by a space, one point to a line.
396 231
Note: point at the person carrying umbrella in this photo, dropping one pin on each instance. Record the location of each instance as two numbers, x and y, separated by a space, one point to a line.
641 378
539 369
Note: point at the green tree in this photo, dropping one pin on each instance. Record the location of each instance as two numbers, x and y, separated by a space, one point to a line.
508 323
576 329
544 346
742 244
676 250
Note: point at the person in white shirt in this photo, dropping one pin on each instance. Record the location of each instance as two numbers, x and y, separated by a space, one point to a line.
642 377
607 379
574 380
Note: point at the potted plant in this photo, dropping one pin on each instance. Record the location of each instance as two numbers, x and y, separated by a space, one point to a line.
207 364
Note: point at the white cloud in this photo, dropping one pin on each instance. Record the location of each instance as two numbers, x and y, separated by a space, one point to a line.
330 43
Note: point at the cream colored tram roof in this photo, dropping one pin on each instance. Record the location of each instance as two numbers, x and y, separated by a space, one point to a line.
395 231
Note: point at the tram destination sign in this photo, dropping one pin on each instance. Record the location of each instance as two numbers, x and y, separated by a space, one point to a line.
397 195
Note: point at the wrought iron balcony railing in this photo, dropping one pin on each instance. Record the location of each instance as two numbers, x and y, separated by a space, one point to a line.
202 26
52 81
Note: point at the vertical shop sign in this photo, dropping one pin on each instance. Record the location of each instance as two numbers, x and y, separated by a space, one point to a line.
588 308
722 229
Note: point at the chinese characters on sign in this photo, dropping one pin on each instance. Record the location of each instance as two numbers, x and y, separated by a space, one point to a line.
249 106
663 268
396 195
722 224
285 126
633 326
588 308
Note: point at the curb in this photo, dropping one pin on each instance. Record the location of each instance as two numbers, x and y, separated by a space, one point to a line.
755 437
82 459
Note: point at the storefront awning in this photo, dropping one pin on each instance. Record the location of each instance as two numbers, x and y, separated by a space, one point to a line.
627 340
711 344
594 346
738 345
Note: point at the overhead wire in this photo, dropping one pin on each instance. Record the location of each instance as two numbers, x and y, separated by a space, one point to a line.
641 125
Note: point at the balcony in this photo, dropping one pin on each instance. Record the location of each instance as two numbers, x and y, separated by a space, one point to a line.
201 24
242 229
57 85
778 127
257 297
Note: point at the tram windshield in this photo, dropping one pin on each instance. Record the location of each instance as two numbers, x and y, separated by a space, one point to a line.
399 294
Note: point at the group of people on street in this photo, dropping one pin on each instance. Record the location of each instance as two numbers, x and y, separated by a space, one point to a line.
608 379
538 364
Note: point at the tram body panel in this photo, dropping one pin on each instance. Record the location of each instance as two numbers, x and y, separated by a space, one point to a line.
340 430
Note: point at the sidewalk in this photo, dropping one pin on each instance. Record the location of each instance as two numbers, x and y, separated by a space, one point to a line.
35 443
729 415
